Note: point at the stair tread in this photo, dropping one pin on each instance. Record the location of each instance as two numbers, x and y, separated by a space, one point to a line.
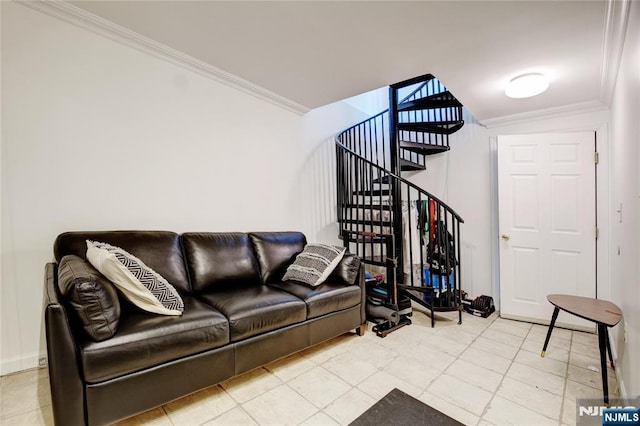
408 166
423 148
369 206
374 222
437 100
440 127
372 192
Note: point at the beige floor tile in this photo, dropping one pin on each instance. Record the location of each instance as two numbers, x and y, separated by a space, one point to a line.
279 406
349 406
319 386
350 369
554 351
592 351
504 338
424 352
534 377
417 373
320 419
451 410
531 397
251 384
446 345
374 353
499 349
589 363
510 327
42 416
577 390
460 393
24 392
568 412
557 333
290 367
589 339
475 375
322 352
486 359
545 364
457 334
155 417
382 383
504 412
199 407
585 376
234 417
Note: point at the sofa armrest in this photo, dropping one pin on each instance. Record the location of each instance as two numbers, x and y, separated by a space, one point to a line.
65 377
351 271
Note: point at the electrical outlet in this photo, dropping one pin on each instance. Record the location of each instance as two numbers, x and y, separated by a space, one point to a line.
42 362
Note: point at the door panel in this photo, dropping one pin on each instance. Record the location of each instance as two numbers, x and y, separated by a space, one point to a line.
546 185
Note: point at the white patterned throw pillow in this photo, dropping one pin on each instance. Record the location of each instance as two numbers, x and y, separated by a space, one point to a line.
140 284
314 265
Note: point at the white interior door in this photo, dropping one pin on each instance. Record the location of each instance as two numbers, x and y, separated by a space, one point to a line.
547 199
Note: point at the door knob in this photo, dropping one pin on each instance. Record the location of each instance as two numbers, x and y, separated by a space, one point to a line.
505 237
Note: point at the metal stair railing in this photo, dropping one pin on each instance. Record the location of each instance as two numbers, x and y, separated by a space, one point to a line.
370 206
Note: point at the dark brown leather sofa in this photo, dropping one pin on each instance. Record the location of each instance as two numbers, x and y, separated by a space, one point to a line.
238 315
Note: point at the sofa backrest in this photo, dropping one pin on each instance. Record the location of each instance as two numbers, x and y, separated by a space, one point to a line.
160 250
275 251
220 259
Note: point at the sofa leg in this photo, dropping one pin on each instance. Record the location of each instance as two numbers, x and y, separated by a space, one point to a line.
361 330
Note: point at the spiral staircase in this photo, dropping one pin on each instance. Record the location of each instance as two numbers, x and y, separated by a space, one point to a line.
402 232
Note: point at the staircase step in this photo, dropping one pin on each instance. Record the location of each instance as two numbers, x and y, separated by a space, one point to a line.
369 206
439 127
438 100
368 222
423 148
374 192
382 180
410 166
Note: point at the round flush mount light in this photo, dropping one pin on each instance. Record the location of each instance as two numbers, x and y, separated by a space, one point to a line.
526 85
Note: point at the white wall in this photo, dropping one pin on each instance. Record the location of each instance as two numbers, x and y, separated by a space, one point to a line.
98 135
625 191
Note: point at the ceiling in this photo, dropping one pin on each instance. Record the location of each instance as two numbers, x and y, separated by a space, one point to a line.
315 53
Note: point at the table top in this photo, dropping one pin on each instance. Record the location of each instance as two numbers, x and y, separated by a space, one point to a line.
596 310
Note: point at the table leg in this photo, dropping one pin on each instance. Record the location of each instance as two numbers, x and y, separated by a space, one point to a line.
609 349
602 343
551 324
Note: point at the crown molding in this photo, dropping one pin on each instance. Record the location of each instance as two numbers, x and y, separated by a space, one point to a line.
547 113
79 17
615 27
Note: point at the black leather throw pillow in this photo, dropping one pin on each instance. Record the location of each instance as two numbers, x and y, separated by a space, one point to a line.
348 268
92 296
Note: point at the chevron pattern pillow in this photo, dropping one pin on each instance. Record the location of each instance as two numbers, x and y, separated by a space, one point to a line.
140 284
314 265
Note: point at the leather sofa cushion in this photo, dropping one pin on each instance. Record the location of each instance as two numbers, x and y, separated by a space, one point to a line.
160 250
256 309
92 296
144 340
330 296
217 260
275 251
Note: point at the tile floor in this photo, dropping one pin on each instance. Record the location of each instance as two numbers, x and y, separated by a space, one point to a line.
483 372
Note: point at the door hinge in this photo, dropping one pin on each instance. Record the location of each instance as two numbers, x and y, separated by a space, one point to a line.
596 157
597 233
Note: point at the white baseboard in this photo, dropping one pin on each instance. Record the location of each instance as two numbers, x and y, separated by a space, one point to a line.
8 366
622 391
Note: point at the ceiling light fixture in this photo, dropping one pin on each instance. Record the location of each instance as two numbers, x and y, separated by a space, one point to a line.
526 85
